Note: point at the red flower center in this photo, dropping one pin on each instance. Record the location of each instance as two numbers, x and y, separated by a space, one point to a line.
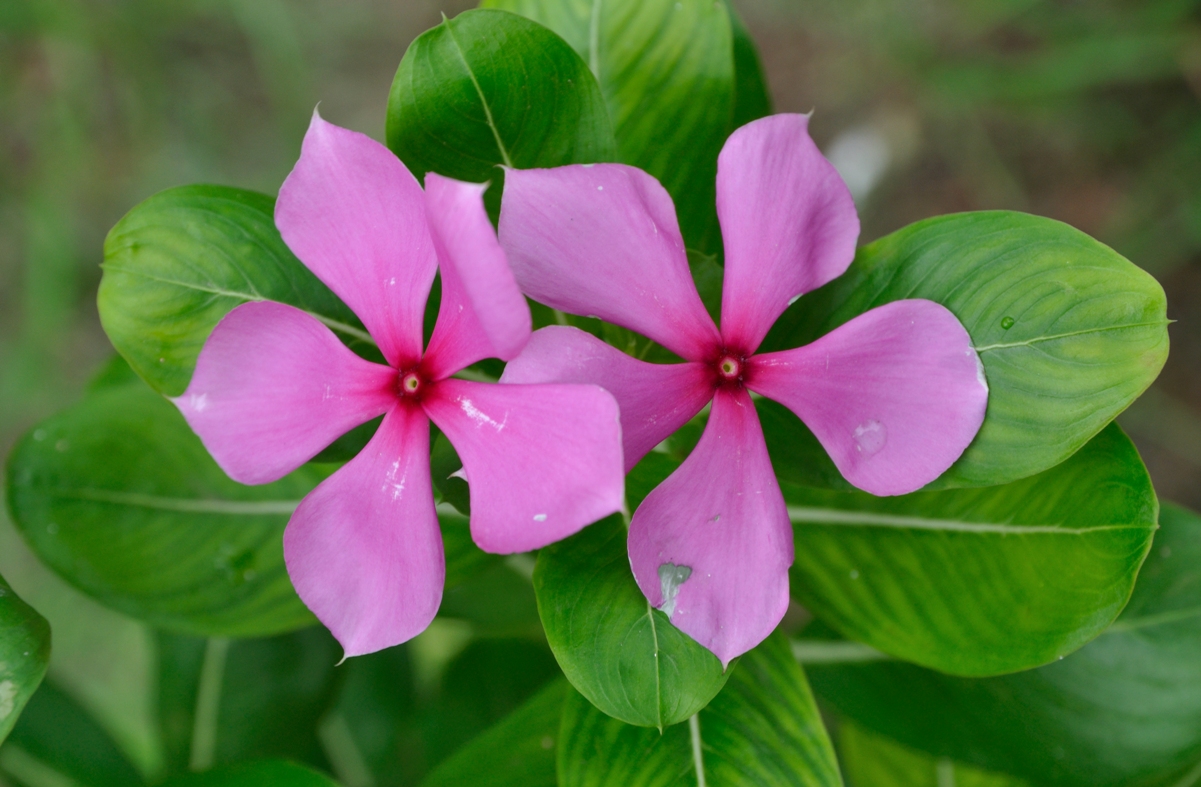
729 368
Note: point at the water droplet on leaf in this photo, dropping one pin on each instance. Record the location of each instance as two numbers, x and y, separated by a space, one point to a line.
1007 323
671 577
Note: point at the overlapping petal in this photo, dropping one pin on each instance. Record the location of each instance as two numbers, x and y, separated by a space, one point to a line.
788 224
273 386
542 461
655 399
363 549
712 544
602 240
483 314
895 395
356 217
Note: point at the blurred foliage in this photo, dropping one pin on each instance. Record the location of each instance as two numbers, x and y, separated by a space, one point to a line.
1088 111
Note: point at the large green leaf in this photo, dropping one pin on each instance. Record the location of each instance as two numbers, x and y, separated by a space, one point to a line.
763 728
518 751
276 773
24 654
871 760
1069 331
623 655
118 496
181 260
56 738
980 581
490 88
1124 710
222 701
666 70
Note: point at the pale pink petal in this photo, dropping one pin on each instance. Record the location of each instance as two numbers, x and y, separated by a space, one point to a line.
655 399
542 461
601 240
354 215
712 544
788 224
363 549
483 313
895 395
273 386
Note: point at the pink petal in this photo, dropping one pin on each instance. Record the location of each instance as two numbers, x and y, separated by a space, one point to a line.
602 240
273 386
483 313
895 395
655 399
712 544
787 220
363 549
542 461
354 214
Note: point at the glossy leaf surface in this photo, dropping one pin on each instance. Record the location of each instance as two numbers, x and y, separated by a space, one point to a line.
620 653
24 655
1125 709
763 728
490 88
1069 331
980 581
872 760
277 773
181 260
667 73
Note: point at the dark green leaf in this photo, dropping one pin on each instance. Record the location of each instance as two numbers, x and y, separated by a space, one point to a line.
490 88
56 735
667 73
1124 710
1069 331
496 600
875 761
119 497
227 701
751 100
181 260
519 751
980 581
615 649
763 728
24 654
272 773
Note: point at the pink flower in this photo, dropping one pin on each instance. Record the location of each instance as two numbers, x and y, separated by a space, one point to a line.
273 386
895 395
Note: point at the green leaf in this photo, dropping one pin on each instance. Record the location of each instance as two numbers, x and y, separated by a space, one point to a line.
24 654
119 497
980 581
518 751
276 773
667 73
225 701
491 88
181 260
875 761
1125 709
615 649
751 100
1069 331
57 738
763 728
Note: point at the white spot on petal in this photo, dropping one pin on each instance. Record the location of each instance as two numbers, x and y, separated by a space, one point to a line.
480 417
539 517
600 188
199 402
671 577
870 437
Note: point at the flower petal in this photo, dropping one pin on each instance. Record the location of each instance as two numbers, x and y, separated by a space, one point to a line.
655 399
602 240
542 461
354 215
712 544
788 224
363 549
895 395
273 386
483 314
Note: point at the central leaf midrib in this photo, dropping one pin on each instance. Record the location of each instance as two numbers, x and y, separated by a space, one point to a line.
500 145
650 614
180 504
838 517
1068 335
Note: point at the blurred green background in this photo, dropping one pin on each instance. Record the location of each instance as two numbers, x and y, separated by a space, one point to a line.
1088 111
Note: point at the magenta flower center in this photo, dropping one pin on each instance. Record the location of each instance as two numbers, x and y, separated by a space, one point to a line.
409 384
